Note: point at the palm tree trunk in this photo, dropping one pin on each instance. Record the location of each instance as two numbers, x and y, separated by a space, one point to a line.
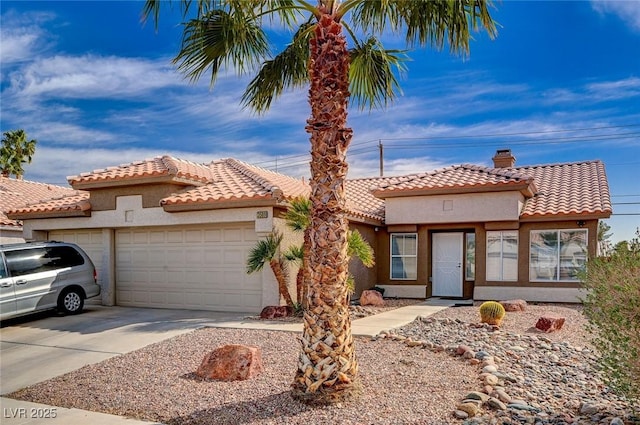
281 278
327 366
305 275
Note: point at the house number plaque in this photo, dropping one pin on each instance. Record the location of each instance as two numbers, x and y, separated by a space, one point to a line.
262 214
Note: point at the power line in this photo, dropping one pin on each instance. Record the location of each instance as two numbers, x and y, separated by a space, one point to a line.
496 135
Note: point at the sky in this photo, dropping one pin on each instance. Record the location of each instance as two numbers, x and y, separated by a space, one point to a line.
560 83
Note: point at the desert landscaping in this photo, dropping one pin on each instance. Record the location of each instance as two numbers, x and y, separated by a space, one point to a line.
447 368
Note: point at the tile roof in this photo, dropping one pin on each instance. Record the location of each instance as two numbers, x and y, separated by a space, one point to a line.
360 199
234 181
161 168
554 190
455 179
568 189
16 193
68 205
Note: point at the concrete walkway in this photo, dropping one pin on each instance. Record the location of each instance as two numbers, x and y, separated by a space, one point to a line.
15 412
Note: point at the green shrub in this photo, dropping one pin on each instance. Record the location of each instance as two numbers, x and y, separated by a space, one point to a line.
612 307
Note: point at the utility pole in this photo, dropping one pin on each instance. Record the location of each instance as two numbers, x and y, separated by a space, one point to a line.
380 147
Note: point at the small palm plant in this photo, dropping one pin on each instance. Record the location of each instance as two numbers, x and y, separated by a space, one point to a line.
268 250
298 218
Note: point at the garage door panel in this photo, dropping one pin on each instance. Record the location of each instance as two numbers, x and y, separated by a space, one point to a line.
213 256
214 235
192 268
140 238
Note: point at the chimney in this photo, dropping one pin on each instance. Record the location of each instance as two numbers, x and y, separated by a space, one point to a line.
504 159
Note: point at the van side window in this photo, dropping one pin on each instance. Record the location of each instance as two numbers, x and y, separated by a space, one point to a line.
3 269
35 260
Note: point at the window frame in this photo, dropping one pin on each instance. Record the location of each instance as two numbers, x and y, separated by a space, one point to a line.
502 234
401 256
558 259
470 256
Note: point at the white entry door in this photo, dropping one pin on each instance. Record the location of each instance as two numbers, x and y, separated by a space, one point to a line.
447 264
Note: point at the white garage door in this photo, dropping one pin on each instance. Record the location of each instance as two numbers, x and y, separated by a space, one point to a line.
197 268
89 240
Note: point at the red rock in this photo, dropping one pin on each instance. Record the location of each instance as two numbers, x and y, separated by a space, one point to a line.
273 311
514 305
371 297
232 363
550 324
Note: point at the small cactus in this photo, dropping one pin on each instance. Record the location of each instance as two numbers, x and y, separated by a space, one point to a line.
491 312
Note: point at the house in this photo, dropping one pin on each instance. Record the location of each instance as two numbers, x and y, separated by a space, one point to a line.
170 233
18 192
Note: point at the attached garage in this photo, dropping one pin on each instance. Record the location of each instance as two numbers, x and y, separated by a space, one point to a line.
170 233
190 267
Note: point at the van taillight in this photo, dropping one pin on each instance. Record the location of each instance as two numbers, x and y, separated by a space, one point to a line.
95 276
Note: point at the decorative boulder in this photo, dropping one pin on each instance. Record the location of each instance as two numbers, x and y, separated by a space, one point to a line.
231 363
273 311
371 297
550 324
514 305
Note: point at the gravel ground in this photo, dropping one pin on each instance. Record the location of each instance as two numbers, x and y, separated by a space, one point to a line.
402 384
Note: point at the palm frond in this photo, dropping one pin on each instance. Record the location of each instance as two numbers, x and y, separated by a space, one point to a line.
288 69
220 38
287 11
425 22
357 246
295 254
298 215
373 16
373 81
264 251
434 22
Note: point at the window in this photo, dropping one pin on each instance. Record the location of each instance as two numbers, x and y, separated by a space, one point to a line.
36 260
404 256
470 259
502 256
557 255
3 270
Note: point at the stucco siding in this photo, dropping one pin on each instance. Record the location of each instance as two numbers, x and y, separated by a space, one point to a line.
460 208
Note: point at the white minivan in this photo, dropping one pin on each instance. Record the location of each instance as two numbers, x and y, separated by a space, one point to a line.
38 276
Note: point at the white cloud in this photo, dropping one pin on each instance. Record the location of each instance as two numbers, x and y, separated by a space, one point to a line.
627 10
23 37
613 90
91 77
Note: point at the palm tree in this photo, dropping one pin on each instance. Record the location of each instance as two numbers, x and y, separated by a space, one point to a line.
298 218
267 251
231 33
15 151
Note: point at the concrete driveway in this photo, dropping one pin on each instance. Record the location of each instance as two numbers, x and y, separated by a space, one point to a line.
40 347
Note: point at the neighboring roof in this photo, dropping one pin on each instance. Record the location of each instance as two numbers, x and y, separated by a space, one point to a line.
360 199
233 182
568 189
74 205
15 193
550 191
457 179
160 169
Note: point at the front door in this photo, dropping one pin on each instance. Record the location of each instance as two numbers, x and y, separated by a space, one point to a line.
447 264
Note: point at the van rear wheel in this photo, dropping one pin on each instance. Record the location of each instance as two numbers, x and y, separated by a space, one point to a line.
71 301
